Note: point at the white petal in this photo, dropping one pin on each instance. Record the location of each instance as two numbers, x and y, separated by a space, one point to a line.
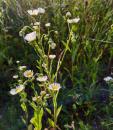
52 56
15 76
19 88
48 24
30 37
108 78
41 10
42 79
13 92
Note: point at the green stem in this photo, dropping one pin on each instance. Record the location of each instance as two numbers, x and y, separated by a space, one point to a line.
60 62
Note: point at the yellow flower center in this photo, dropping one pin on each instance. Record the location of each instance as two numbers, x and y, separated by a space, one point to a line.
55 87
19 89
29 74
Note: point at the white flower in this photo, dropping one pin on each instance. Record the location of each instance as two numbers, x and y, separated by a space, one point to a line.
54 86
70 21
22 67
19 88
15 76
48 24
75 20
13 92
42 93
16 90
47 95
33 12
42 78
41 10
52 56
34 98
17 61
37 23
28 73
108 78
53 45
68 14
30 37
56 32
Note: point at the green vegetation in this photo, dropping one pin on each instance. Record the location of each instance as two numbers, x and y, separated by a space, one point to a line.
64 77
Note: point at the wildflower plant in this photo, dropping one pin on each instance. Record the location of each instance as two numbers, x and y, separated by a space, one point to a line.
43 83
77 74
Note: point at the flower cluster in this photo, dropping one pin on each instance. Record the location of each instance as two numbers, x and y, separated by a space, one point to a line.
36 11
43 83
30 74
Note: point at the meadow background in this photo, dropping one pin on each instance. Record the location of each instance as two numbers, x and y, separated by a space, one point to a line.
86 98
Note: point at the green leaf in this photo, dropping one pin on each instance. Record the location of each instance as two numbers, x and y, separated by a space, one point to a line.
37 118
48 110
23 106
51 122
30 127
58 111
33 105
23 120
66 46
40 118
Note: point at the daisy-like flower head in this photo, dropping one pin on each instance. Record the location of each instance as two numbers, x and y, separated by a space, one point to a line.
42 78
15 76
70 21
41 10
30 37
56 32
13 91
68 14
108 78
28 74
17 61
22 67
53 45
48 24
52 56
17 90
37 23
75 20
42 93
54 87
36 98
47 95
33 12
